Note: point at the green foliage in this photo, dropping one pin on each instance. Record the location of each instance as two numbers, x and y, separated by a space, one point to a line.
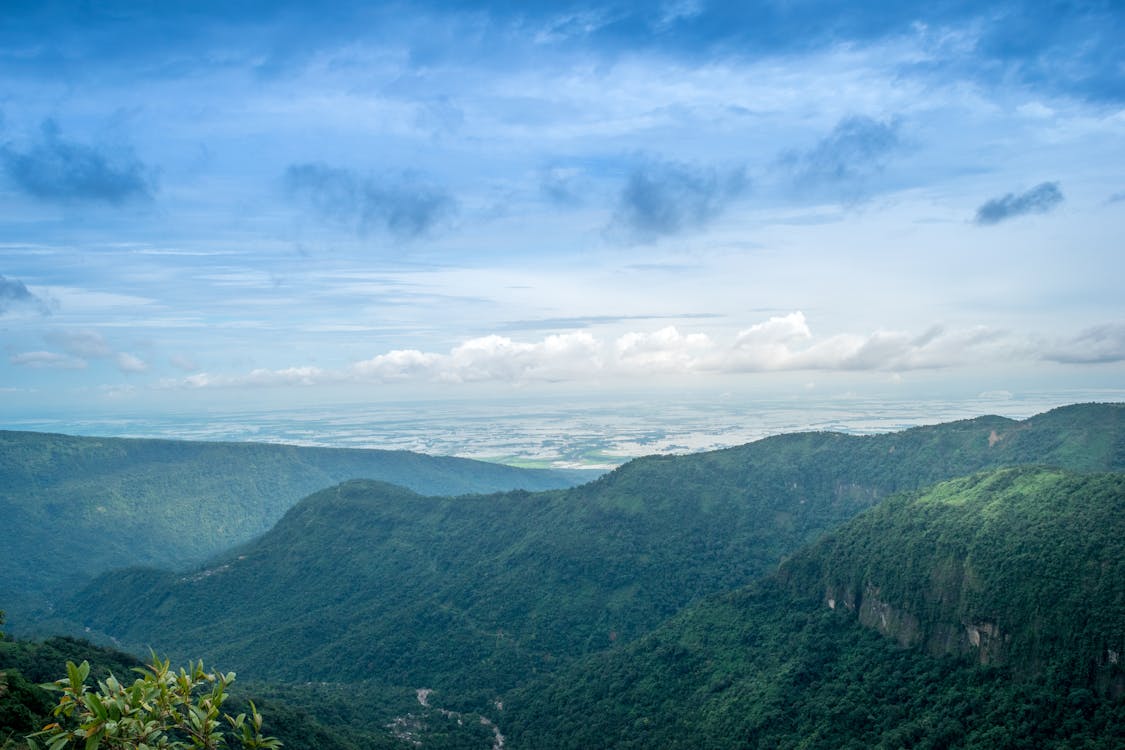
122 502
161 709
24 705
772 666
303 718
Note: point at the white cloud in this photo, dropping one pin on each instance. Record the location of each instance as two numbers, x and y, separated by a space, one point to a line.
401 364
783 343
130 363
258 377
491 358
666 350
768 345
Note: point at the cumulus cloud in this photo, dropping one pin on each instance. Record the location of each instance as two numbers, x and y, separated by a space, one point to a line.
858 148
783 343
1040 199
57 170
662 198
400 364
14 295
666 350
1097 345
787 343
405 207
492 358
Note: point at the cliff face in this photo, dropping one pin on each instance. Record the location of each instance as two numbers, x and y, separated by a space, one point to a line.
982 639
1023 567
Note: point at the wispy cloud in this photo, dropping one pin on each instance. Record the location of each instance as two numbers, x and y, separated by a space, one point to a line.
662 198
538 324
45 359
404 207
1040 199
14 295
1069 48
82 346
1097 345
562 186
183 362
858 148
57 170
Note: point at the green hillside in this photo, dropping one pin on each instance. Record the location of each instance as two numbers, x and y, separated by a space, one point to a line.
74 507
1008 587
476 595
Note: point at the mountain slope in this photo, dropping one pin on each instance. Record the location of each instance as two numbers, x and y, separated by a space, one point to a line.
74 507
476 595
1020 567
1022 570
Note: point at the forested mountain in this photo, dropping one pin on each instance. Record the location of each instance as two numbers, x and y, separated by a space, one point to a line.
73 507
475 596
1007 589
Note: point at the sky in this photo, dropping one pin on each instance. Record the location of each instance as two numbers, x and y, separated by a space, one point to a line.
259 205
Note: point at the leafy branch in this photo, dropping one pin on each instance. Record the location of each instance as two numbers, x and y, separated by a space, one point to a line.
162 710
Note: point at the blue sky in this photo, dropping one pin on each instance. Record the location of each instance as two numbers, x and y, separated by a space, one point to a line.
276 203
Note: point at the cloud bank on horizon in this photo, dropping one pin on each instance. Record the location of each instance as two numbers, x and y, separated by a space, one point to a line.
779 344
213 197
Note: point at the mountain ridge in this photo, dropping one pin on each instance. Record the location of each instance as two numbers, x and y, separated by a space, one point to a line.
78 506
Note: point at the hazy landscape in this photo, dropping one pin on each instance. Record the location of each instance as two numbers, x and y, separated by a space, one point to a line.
574 374
578 432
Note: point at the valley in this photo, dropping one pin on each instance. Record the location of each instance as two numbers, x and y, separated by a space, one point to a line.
677 600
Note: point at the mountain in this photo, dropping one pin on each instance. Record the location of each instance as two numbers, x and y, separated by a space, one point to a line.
476 595
74 507
985 612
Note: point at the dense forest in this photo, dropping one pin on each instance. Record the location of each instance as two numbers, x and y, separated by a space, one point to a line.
120 502
811 590
984 612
